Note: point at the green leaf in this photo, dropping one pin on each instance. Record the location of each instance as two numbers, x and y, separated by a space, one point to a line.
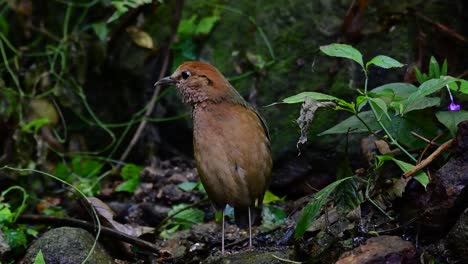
422 103
187 27
343 105
188 217
463 86
187 186
343 51
421 77
399 90
6 215
101 30
206 24
427 88
434 68
353 125
300 97
347 195
128 186
130 171
381 105
420 176
443 71
420 122
39 259
63 172
85 167
32 232
384 62
312 209
271 198
15 237
168 232
451 119
34 125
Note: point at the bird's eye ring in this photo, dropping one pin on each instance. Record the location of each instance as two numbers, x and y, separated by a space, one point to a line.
186 74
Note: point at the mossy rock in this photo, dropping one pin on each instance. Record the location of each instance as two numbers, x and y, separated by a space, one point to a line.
67 245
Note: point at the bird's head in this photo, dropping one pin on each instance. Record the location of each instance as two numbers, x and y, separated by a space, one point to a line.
199 82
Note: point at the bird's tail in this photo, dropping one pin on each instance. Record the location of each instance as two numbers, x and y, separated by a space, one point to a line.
241 215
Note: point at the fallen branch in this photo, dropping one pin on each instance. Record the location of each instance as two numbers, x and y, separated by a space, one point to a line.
429 159
106 231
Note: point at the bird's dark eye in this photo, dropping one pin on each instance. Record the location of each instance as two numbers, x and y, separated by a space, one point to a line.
186 74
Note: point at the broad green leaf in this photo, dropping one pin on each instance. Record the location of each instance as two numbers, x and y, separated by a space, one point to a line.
381 105
63 172
463 86
312 209
451 119
420 122
206 24
427 88
271 198
5 214
399 89
343 51
420 176
384 62
39 259
129 185
187 186
300 97
130 171
187 217
187 27
16 237
353 125
422 103
85 167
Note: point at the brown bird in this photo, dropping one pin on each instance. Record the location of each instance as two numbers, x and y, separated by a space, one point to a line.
230 140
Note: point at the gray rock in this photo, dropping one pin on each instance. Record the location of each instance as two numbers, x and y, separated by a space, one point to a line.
67 245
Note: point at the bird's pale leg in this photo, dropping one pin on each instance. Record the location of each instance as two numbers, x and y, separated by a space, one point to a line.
222 233
250 230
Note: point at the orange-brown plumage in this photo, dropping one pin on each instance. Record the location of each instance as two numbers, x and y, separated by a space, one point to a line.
230 139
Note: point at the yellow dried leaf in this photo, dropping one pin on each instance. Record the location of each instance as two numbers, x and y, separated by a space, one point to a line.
140 38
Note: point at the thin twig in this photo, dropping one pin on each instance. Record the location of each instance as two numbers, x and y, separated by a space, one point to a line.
430 143
429 159
442 28
152 103
106 231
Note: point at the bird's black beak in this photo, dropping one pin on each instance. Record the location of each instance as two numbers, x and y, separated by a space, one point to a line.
164 82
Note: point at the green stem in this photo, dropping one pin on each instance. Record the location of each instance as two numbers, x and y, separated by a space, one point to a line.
392 139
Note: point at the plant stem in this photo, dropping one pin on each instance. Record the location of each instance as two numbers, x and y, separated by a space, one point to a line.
392 139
